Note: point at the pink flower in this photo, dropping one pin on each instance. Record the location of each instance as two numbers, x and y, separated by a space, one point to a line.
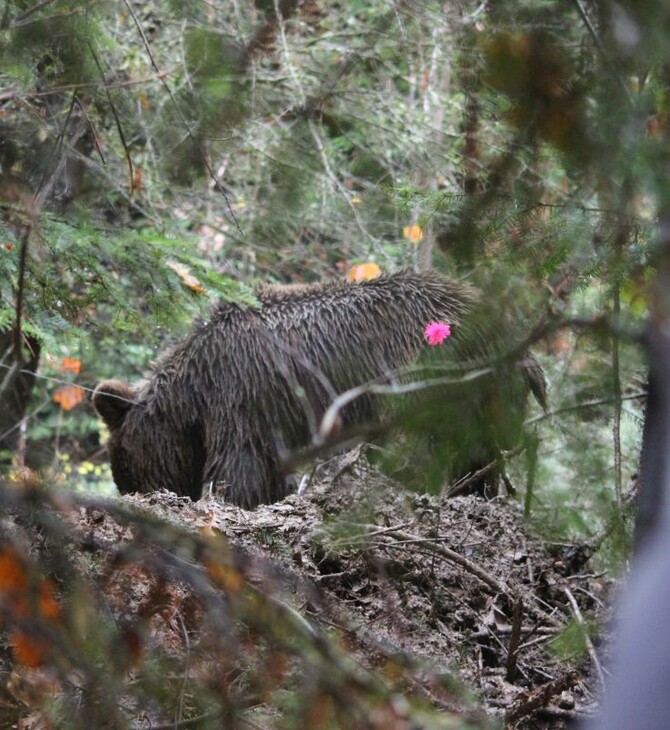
437 332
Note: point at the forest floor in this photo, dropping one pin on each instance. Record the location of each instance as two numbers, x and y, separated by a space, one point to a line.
456 592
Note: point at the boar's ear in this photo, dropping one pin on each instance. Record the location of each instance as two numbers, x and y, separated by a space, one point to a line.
112 399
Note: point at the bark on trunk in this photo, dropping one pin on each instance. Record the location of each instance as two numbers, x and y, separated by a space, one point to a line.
17 380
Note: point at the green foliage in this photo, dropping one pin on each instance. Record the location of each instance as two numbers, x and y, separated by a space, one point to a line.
573 496
571 643
82 279
59 43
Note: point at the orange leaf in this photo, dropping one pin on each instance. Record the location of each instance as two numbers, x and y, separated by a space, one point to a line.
15 597
68 396
224 576
657 125
137 180
48 605
132 643
12 571
70 365
360 272
413 234
28 650
186 277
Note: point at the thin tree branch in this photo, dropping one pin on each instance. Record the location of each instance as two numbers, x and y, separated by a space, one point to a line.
587 639
616 372
161 77
23 258
27 13
601 49
14 93
32 209
586 404
117 121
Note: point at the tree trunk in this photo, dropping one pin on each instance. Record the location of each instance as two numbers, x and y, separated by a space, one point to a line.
17 380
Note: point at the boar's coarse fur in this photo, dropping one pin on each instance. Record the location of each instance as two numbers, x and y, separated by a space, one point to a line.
248 384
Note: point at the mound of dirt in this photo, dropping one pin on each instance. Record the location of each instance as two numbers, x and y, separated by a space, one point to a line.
418 591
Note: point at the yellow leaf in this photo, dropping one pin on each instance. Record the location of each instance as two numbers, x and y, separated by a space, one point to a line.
636 293
186 277
413 234
360 272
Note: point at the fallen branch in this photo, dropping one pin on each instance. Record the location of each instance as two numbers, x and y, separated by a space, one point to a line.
541 697
587 639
